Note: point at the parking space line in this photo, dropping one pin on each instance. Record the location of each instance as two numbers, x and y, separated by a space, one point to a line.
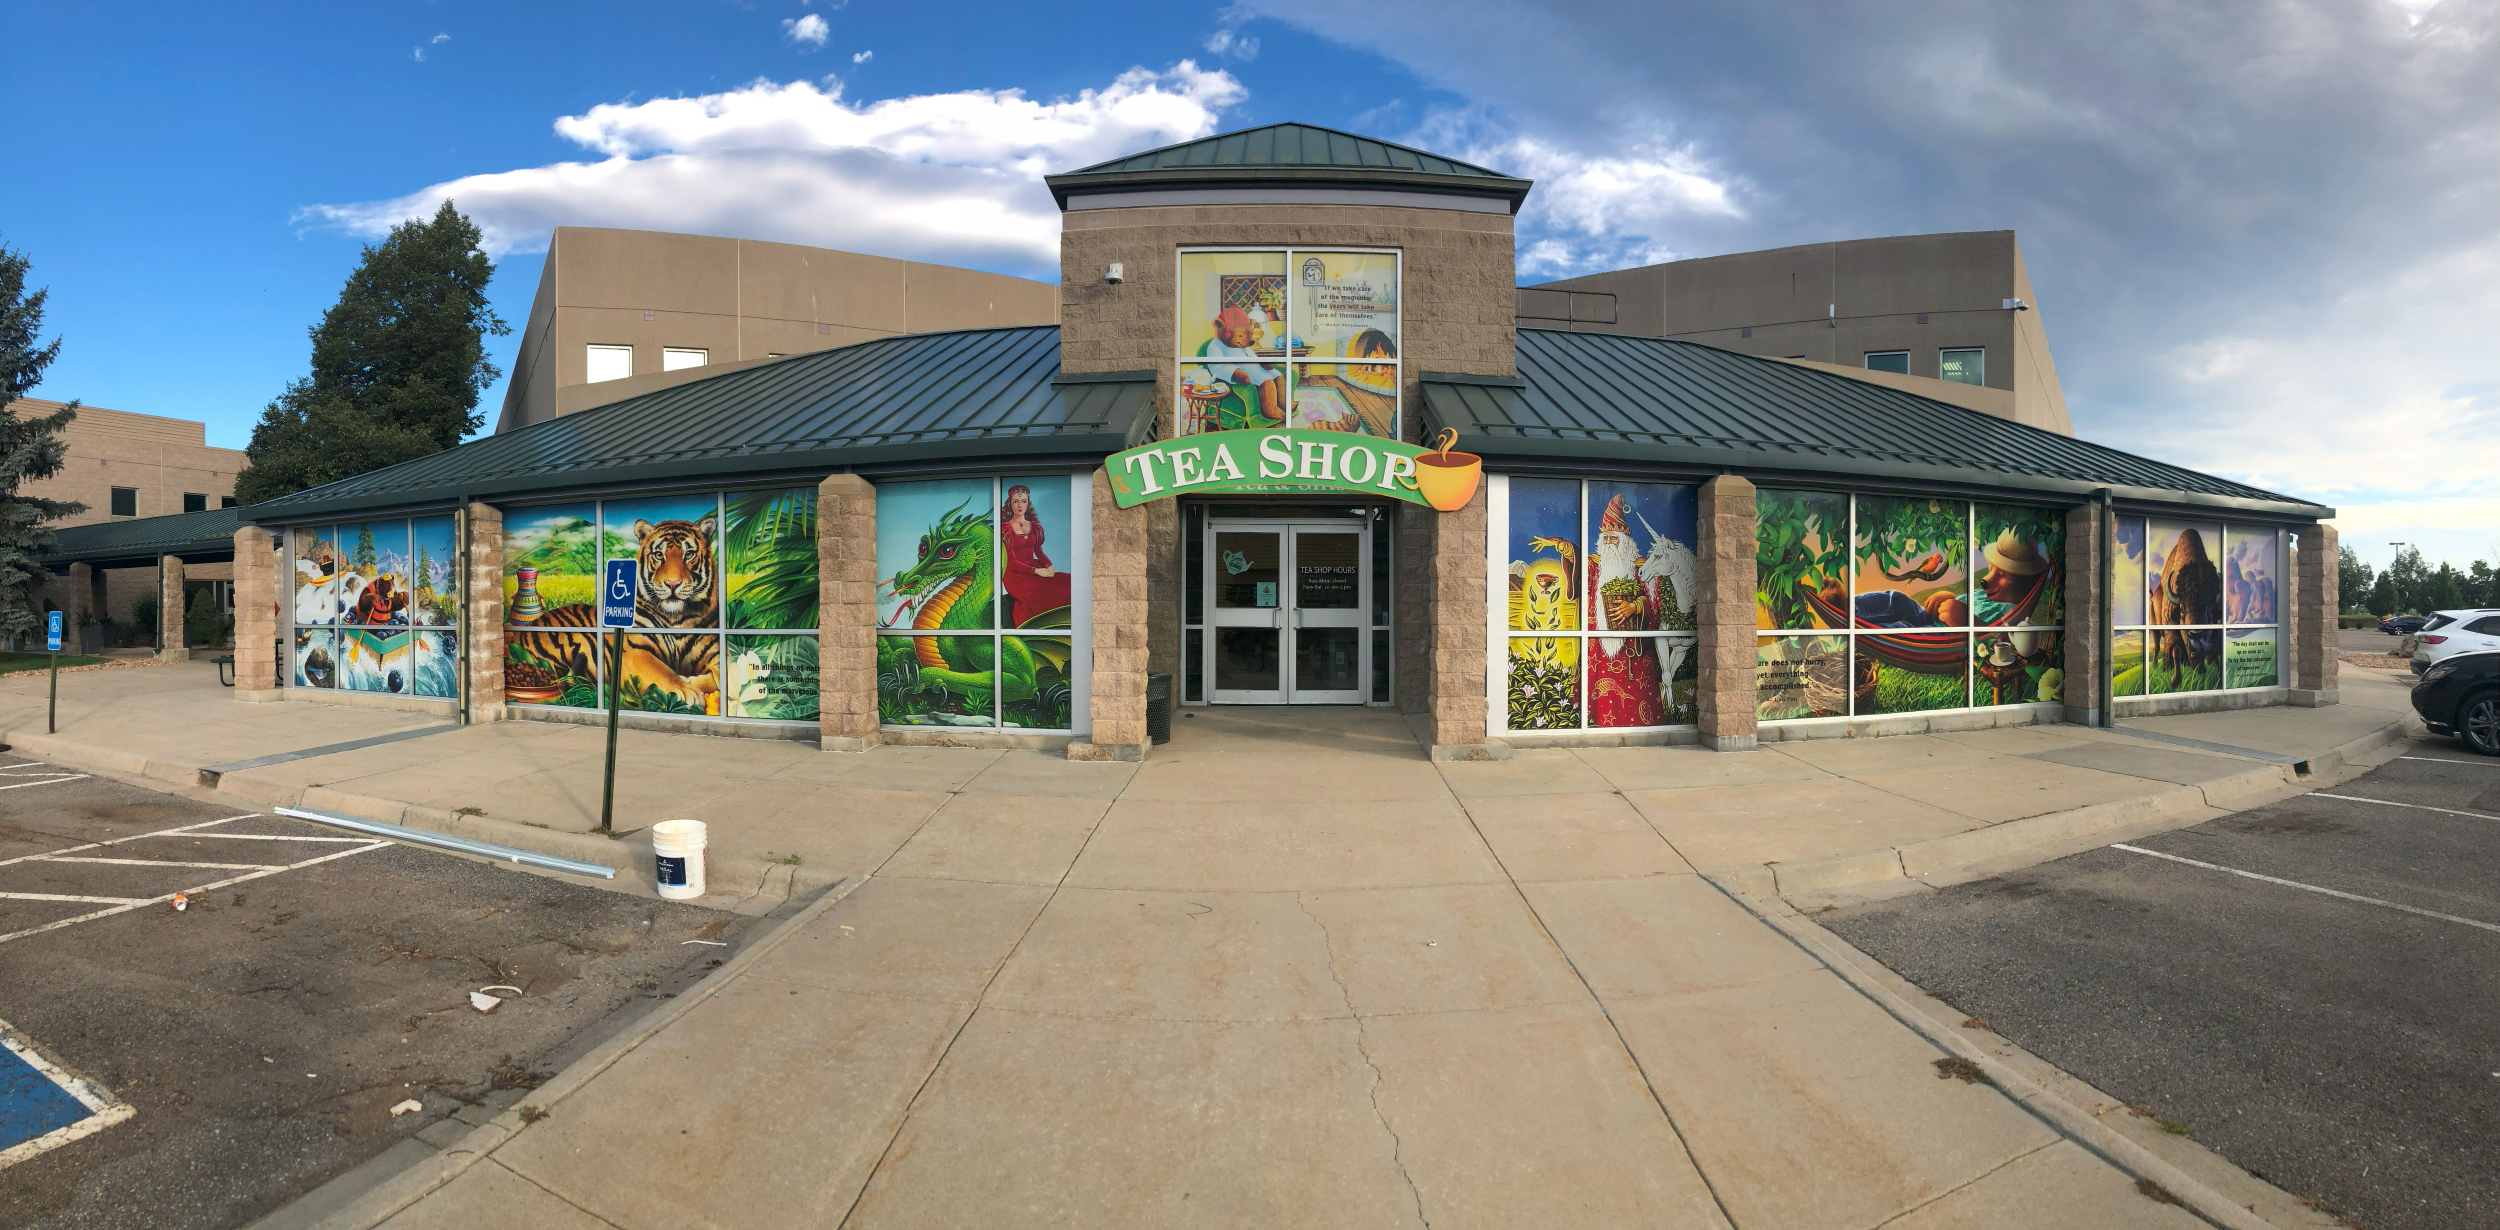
115 841
228 882
2310 888
102 1109
267 836
156 862
70 777
2354 798
63 897
2480 764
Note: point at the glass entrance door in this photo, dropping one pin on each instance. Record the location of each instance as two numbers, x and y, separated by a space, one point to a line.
1288 612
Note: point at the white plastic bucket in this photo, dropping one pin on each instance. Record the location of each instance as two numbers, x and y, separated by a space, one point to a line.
677 845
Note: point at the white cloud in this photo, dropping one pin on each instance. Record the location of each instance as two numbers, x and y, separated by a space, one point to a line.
419 53
439 38
809 30
1593 209
863 57
954 178
1232 44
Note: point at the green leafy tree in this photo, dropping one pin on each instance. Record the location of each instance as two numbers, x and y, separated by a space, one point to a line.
205 621
2353 577
2443 590
2410 578
398 364
2482 582
2382 601
31 448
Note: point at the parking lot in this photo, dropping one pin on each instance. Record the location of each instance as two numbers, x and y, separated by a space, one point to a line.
2307 987
204 1066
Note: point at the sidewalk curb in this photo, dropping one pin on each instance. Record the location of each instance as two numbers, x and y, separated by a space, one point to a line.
1890 871
395 1194
633 860
2063 1116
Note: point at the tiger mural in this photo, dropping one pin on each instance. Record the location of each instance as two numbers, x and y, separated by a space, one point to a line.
676 586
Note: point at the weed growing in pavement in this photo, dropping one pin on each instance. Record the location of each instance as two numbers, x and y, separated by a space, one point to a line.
532 1114
1978 1022
2178 1127
468 811
2156 1192
1954 1067
509 1074
785 860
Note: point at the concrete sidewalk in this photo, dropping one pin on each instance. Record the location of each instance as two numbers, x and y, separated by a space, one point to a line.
1287 971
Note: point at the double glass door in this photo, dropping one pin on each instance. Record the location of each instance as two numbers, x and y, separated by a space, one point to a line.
1288 612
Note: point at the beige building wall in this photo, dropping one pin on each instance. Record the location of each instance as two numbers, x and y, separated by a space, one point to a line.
740 301
161 458
1832 304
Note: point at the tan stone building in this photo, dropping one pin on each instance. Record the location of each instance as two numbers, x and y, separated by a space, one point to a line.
1951 317
621 313
125 466
1287 444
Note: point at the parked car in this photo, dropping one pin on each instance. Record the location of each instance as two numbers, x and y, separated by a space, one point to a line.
2454 632
2398 625
2461 696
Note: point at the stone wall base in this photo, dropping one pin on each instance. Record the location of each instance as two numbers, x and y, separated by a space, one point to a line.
1913 723
1079 749
260 696
2202 702
2313 698
941 737
2082 717
1684 736
365 700
849 743
661 723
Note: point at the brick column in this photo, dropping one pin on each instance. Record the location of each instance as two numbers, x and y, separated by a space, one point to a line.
2316 662
2087 679
1455 568
481 650
1163 590
169 639
82 604
255 616
1725 615
1117 706
1410 609
846 613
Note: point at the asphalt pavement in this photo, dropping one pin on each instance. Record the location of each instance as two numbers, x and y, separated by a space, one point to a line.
2344 1047
263 1033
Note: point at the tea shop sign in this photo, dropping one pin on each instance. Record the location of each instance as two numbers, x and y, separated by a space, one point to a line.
1292 461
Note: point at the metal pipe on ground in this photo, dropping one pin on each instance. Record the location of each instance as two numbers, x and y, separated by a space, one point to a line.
445 841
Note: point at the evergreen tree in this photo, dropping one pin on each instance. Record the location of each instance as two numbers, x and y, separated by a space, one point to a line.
2383 596
2352 577
364 546
30 449
397 364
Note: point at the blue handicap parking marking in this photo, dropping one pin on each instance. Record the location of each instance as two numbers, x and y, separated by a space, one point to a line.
41 1106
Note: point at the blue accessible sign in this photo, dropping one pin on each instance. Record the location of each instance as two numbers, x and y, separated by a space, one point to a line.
52 622
616 598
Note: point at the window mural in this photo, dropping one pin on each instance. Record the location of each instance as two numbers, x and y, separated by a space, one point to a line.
1610 568
374 606
977 602
724 609
1288 338
1871 605
2196 606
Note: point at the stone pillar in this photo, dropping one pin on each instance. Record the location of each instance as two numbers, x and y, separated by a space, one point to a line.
2316 662
846 613
255 616
82 605
481 647
99 593
1410 610
1163 589
2087 678
1456 567
1117 707
169 639
1725 615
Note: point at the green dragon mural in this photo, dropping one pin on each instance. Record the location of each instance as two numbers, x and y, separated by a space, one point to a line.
953 585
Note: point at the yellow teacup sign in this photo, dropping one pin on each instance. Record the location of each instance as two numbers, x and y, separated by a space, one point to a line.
1445 479
1293 461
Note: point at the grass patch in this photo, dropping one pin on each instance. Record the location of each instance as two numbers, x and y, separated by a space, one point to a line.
1964 1070
15 663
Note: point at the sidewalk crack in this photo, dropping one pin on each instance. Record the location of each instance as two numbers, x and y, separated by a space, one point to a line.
1362 1046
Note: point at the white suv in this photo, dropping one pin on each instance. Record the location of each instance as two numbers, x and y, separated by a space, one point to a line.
2455 632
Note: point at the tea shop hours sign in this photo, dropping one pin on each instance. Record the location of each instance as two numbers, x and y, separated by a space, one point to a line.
1291 461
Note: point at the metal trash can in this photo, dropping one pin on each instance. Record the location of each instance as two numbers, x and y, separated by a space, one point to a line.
1159 706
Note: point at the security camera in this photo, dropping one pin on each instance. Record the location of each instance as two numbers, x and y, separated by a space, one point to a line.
2017 305
1115 274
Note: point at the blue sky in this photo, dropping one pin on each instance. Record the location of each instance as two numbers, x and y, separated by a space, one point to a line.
2265 236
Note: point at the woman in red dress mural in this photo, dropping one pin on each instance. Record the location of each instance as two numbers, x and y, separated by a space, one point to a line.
1034 587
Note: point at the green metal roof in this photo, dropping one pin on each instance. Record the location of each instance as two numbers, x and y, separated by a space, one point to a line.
896 402
1291 154
1583 397
196 537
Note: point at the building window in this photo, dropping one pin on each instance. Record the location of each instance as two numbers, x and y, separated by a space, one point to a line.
125 501
193 501
1888 604
375 605
742 647
675 358
2194 606
610 363
1270 338
225 501
1964 366
1599 625
1007 655
1888 361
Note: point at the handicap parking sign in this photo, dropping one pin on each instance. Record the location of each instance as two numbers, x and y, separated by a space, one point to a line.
616 598
52 632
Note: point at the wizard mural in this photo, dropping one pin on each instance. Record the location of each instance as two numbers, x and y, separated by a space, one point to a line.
1611 567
